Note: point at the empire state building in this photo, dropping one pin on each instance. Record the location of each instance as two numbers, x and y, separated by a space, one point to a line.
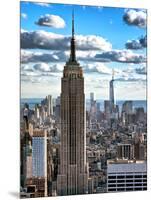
73 174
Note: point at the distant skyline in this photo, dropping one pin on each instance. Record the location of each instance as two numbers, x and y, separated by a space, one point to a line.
106 38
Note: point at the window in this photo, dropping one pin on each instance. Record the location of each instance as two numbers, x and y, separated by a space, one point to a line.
120 177
120 181
112 181
129 176
112 185
111 189
120 189
129 189
138 176
138 180
138 184
128 181
112 177
128 185
136 189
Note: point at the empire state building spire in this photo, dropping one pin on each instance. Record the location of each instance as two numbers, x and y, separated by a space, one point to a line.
73 24
72 47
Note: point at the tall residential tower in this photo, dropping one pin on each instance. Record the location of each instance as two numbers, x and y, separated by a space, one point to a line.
73 174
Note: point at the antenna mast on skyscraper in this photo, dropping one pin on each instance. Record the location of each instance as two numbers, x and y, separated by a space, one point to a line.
72 23
113 72
72 46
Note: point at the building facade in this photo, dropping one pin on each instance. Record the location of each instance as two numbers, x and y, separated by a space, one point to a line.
125 151
126 175
39 161
50 105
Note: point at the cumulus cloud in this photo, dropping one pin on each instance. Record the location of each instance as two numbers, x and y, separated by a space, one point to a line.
43 67
52 41
97 67
133 79
143 41
24 15
29 73
137 44
53 21
135 18
122 56
43 40
26 68
141 70
54 56
92 42
38 73
133 44
34 57
32 79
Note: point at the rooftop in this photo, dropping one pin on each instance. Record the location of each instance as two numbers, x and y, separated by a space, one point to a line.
132 166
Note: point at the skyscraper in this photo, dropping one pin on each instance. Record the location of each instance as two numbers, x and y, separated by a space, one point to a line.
73 176
127 107
91 99
112 94
50 105
107 109
114 109
127 112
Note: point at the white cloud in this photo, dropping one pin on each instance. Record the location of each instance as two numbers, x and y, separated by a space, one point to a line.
24 15
137 44
29 74
34 57
97 67
135 17
123 56
92 42
53 21
42 4
141 70
47 77
26 68
43 67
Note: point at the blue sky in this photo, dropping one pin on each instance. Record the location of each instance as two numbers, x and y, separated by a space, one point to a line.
110 35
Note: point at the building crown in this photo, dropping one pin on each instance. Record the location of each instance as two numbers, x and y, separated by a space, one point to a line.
72 59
